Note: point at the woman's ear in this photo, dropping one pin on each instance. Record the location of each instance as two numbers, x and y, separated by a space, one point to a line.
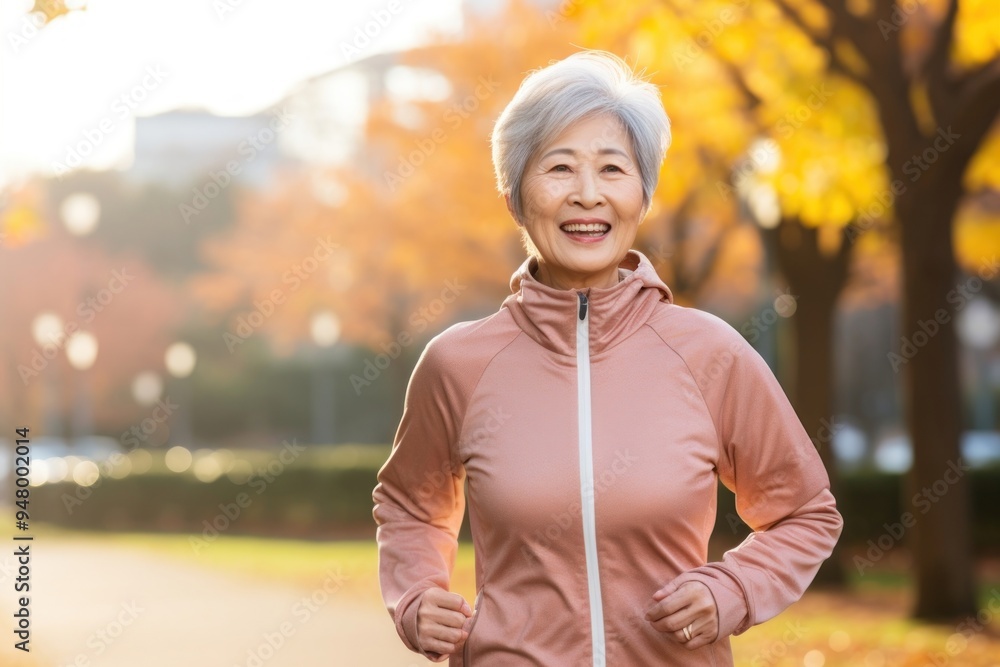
510 209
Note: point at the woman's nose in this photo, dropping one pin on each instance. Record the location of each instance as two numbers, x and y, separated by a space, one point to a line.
587 190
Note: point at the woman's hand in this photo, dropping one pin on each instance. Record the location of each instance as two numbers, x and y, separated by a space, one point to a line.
441 622
678 607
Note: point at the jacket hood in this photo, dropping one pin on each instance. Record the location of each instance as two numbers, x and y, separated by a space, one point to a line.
549 315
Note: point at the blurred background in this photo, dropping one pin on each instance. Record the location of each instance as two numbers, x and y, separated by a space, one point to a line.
228 229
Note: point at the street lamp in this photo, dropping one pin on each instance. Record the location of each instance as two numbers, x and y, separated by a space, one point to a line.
46 329
180 359
325 331
147 388
978 328
81 351
325 328
80 213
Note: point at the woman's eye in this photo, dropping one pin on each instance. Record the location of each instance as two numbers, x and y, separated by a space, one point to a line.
563 167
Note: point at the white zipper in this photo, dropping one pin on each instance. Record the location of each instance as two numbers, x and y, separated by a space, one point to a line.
585 427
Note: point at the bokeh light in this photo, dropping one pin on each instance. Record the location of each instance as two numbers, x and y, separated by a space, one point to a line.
814 658
80 213
206 466
180 359
86 473
141 460
840 641
178 459
81 350
147 388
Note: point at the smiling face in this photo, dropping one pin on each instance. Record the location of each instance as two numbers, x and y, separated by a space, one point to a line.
582 203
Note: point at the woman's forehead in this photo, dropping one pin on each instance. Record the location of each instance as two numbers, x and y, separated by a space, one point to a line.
590 136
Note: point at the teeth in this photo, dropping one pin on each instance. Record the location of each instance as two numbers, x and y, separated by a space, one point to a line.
589 227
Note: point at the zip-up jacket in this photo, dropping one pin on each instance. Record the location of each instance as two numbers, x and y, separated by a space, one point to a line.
591 427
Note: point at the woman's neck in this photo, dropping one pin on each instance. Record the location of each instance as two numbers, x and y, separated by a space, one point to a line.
566 281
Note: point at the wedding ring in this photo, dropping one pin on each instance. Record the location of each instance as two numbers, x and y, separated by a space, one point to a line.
687 632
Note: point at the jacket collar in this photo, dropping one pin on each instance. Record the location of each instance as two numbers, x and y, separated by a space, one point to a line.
549 315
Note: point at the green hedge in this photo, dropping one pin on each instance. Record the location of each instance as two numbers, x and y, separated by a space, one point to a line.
326 492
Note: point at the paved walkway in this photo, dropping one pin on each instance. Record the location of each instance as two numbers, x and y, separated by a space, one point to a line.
95 605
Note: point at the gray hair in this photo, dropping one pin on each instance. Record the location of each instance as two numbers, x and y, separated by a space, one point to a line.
584 84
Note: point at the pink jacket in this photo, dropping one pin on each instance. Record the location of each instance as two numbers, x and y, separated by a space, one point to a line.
591 427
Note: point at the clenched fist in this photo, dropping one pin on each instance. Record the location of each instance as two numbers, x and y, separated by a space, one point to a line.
442 622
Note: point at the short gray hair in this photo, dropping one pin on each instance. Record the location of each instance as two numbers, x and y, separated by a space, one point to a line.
584 84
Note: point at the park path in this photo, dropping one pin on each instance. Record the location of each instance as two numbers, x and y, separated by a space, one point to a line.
103 605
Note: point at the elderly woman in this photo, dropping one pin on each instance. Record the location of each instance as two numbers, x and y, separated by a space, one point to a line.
591 418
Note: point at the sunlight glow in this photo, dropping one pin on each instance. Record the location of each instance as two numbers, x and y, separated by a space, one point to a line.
185 54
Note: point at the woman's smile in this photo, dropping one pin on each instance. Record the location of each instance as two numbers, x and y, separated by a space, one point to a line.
586 230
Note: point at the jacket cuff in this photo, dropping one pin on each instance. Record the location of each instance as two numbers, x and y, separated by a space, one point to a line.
406 625
731 599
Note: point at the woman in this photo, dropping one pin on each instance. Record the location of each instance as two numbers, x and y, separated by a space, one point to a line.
592 418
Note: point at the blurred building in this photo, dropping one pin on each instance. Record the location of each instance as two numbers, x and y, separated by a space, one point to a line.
181 147
334 106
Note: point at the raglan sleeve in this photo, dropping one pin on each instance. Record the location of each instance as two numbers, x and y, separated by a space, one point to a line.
419 499
782 490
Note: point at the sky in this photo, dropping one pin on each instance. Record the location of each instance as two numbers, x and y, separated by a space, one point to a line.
84 77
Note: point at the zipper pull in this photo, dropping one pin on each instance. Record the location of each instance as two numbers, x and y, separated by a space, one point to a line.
583 305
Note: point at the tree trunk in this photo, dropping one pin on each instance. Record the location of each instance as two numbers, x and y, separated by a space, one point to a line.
815 280
937 491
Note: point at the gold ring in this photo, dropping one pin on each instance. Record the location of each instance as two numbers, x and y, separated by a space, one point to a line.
687 631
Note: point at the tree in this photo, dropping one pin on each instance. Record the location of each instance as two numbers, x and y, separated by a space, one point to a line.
864 100
936 103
